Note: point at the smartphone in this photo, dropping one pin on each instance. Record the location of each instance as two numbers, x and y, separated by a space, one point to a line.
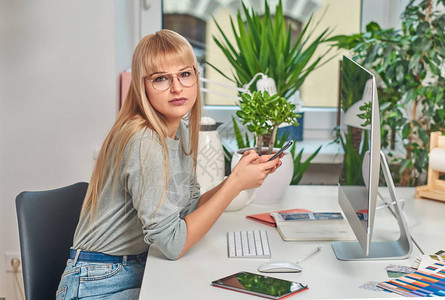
260 285
287 145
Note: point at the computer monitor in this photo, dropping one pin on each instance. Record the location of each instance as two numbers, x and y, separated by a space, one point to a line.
358 186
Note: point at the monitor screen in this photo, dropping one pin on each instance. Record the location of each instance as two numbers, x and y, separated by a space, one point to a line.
360 138
358 184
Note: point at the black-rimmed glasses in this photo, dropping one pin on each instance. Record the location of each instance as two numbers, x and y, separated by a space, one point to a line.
163 81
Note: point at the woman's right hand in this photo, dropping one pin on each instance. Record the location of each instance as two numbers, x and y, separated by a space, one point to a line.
250 172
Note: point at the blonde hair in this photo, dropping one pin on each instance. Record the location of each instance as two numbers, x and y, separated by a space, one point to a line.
138 114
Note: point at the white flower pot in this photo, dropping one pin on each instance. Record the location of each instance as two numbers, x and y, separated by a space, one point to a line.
243 199
276 183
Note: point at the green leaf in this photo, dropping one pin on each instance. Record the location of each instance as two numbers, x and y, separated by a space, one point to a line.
299 167
373 26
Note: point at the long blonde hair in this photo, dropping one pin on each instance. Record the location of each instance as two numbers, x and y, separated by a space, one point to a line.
138 114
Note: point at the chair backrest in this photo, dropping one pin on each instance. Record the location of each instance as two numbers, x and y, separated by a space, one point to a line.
47 221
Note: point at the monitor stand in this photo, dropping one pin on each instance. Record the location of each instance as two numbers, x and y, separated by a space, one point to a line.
399 249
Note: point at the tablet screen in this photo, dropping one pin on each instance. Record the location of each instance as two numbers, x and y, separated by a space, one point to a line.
259 285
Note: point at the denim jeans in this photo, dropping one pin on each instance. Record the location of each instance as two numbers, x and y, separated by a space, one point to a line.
91 280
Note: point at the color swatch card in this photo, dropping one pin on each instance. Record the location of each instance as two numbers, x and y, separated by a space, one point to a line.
423 261
422 283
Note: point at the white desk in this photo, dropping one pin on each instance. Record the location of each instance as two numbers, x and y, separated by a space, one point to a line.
327 277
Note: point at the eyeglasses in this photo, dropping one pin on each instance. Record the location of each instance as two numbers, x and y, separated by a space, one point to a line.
163 81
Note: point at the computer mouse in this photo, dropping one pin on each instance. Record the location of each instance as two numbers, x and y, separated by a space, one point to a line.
279 267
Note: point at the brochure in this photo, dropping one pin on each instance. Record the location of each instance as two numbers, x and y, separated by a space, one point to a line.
317 226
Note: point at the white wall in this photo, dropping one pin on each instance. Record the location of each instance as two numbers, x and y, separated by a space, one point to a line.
150 15
59 82
385 12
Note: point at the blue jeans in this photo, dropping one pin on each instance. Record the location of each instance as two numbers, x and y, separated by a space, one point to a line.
92 280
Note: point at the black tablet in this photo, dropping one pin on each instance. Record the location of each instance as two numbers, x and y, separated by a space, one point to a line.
260 285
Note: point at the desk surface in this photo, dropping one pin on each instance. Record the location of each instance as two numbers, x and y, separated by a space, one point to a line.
327 277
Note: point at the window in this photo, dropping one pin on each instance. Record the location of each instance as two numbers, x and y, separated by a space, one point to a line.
193 19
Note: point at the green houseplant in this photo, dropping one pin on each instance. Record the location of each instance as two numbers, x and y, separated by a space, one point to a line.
264 45
409 63
263 113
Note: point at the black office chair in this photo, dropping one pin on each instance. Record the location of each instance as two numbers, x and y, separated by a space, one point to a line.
47 221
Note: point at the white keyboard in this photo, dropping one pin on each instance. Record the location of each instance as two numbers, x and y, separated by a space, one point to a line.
248 243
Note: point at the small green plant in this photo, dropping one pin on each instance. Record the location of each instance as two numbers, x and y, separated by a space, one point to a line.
263 113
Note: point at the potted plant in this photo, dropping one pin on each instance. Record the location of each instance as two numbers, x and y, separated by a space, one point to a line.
263 114
264 45
409 63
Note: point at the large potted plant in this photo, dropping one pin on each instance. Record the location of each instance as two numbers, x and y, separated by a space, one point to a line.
264 45
409 63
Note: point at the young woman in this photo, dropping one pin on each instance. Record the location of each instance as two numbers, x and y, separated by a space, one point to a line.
143 190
